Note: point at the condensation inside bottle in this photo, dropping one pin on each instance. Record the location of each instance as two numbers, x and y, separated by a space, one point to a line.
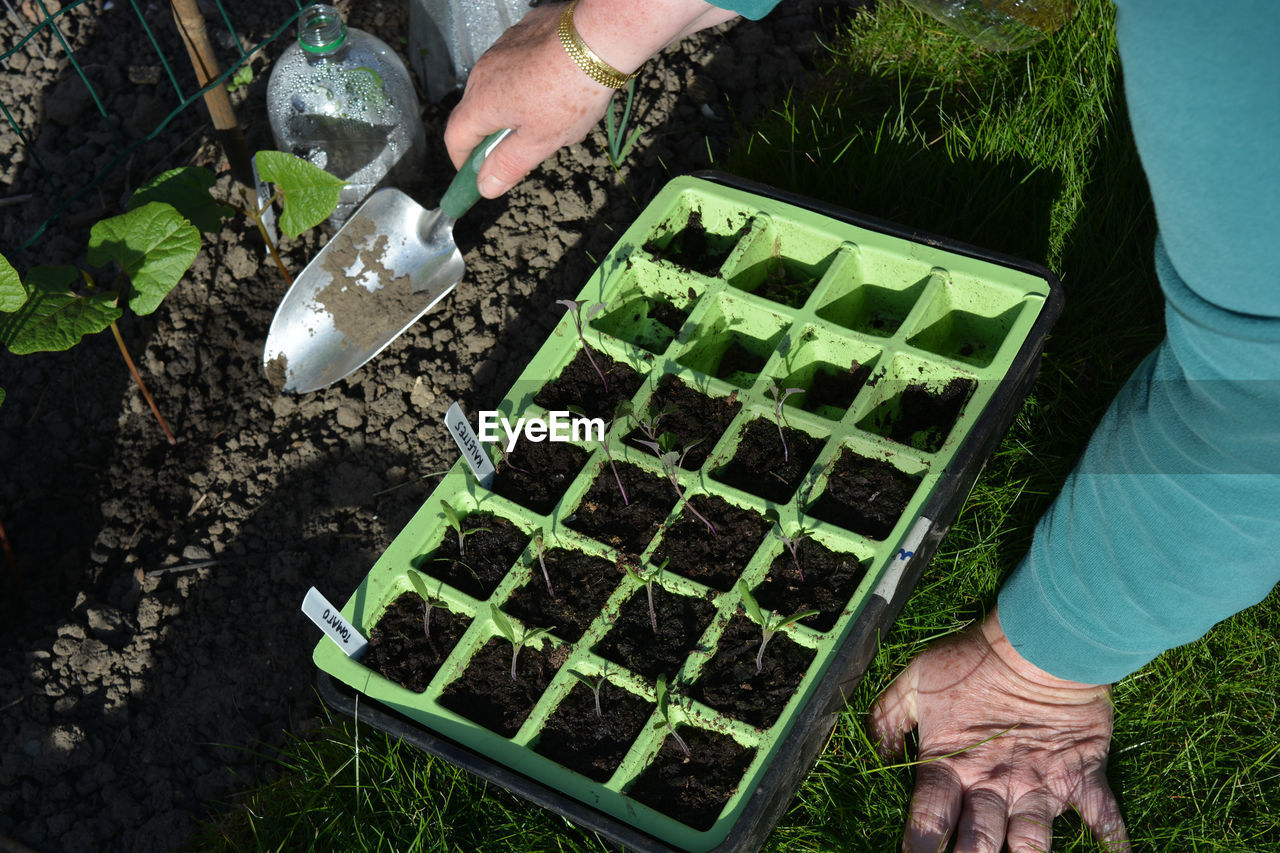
350 110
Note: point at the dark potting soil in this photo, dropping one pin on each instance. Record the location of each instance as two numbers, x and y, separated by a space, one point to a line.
633 643
491 543
536 473
758 467
693 790
695 248
668 314
582 583
740 361
865 496
836 390
486 694
628 527
830 580
578 386
712 559
784 284
399 648
926 416
694 417
729 682
594 746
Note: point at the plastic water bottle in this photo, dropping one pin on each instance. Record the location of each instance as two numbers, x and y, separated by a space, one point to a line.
1000 24
341 98
446 37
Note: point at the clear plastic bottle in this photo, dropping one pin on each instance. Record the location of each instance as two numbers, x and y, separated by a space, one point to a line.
446 37
1000 24
341 98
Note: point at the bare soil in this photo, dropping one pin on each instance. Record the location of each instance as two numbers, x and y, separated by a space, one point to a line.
155 654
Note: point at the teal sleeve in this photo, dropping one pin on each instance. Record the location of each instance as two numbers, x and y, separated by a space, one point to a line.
753 9
1170 521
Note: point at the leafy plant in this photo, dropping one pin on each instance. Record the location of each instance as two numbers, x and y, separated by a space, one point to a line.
663 699
537 544
649 424
581 312
619 142
517 641
779 397
420 586
454 518
139 256
792 544
243 77
670 459
647 577
595 685
769 625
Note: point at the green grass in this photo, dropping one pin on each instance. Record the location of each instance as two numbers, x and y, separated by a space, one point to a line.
1027 154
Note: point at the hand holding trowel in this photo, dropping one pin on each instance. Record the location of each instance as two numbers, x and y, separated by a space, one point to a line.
387 266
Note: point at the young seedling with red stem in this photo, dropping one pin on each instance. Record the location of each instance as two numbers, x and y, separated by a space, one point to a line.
648 425
420 586
671 460
580 313
619 414
537 545
769 625
779 397
519 639
648 577
793 545
664 699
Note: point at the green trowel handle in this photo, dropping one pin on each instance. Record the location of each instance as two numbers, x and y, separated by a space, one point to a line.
463 192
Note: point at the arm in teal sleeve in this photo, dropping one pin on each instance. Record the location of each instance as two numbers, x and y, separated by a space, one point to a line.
1169 523
753 9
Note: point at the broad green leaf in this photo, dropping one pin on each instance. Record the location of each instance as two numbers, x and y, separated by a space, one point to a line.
420 586
504 624
749 603
53 317
154 245
12 293
187 189
309 193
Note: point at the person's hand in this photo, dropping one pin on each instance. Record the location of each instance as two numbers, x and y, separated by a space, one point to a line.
527 82
1004 748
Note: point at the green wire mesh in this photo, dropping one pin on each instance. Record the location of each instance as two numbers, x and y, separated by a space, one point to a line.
149 37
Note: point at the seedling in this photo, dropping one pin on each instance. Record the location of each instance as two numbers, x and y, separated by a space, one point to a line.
504 458
420 586
670 459
537 544
509 631
455 521
577 310
647 577
663 699
648 425
595 685
793 545
620 142
769 625
779 397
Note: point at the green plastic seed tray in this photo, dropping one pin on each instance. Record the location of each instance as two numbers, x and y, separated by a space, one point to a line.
829 382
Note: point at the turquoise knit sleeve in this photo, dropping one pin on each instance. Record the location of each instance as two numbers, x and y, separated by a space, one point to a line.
753 9
1170 521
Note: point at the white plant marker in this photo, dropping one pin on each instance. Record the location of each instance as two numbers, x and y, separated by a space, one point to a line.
469 444
333 623
893 576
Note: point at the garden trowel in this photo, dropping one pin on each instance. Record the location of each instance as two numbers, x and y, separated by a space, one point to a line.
387 266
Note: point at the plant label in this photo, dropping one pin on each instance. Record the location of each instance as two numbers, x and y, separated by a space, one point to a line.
325 615
470 446
898 562
264 196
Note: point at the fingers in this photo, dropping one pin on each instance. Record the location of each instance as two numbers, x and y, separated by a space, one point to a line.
982 823
894 713
508 163
935 809
1100 811
1030 828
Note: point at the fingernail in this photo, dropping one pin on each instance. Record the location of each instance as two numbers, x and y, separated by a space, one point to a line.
491 187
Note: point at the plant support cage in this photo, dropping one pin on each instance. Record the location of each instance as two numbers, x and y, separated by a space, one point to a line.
95 97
